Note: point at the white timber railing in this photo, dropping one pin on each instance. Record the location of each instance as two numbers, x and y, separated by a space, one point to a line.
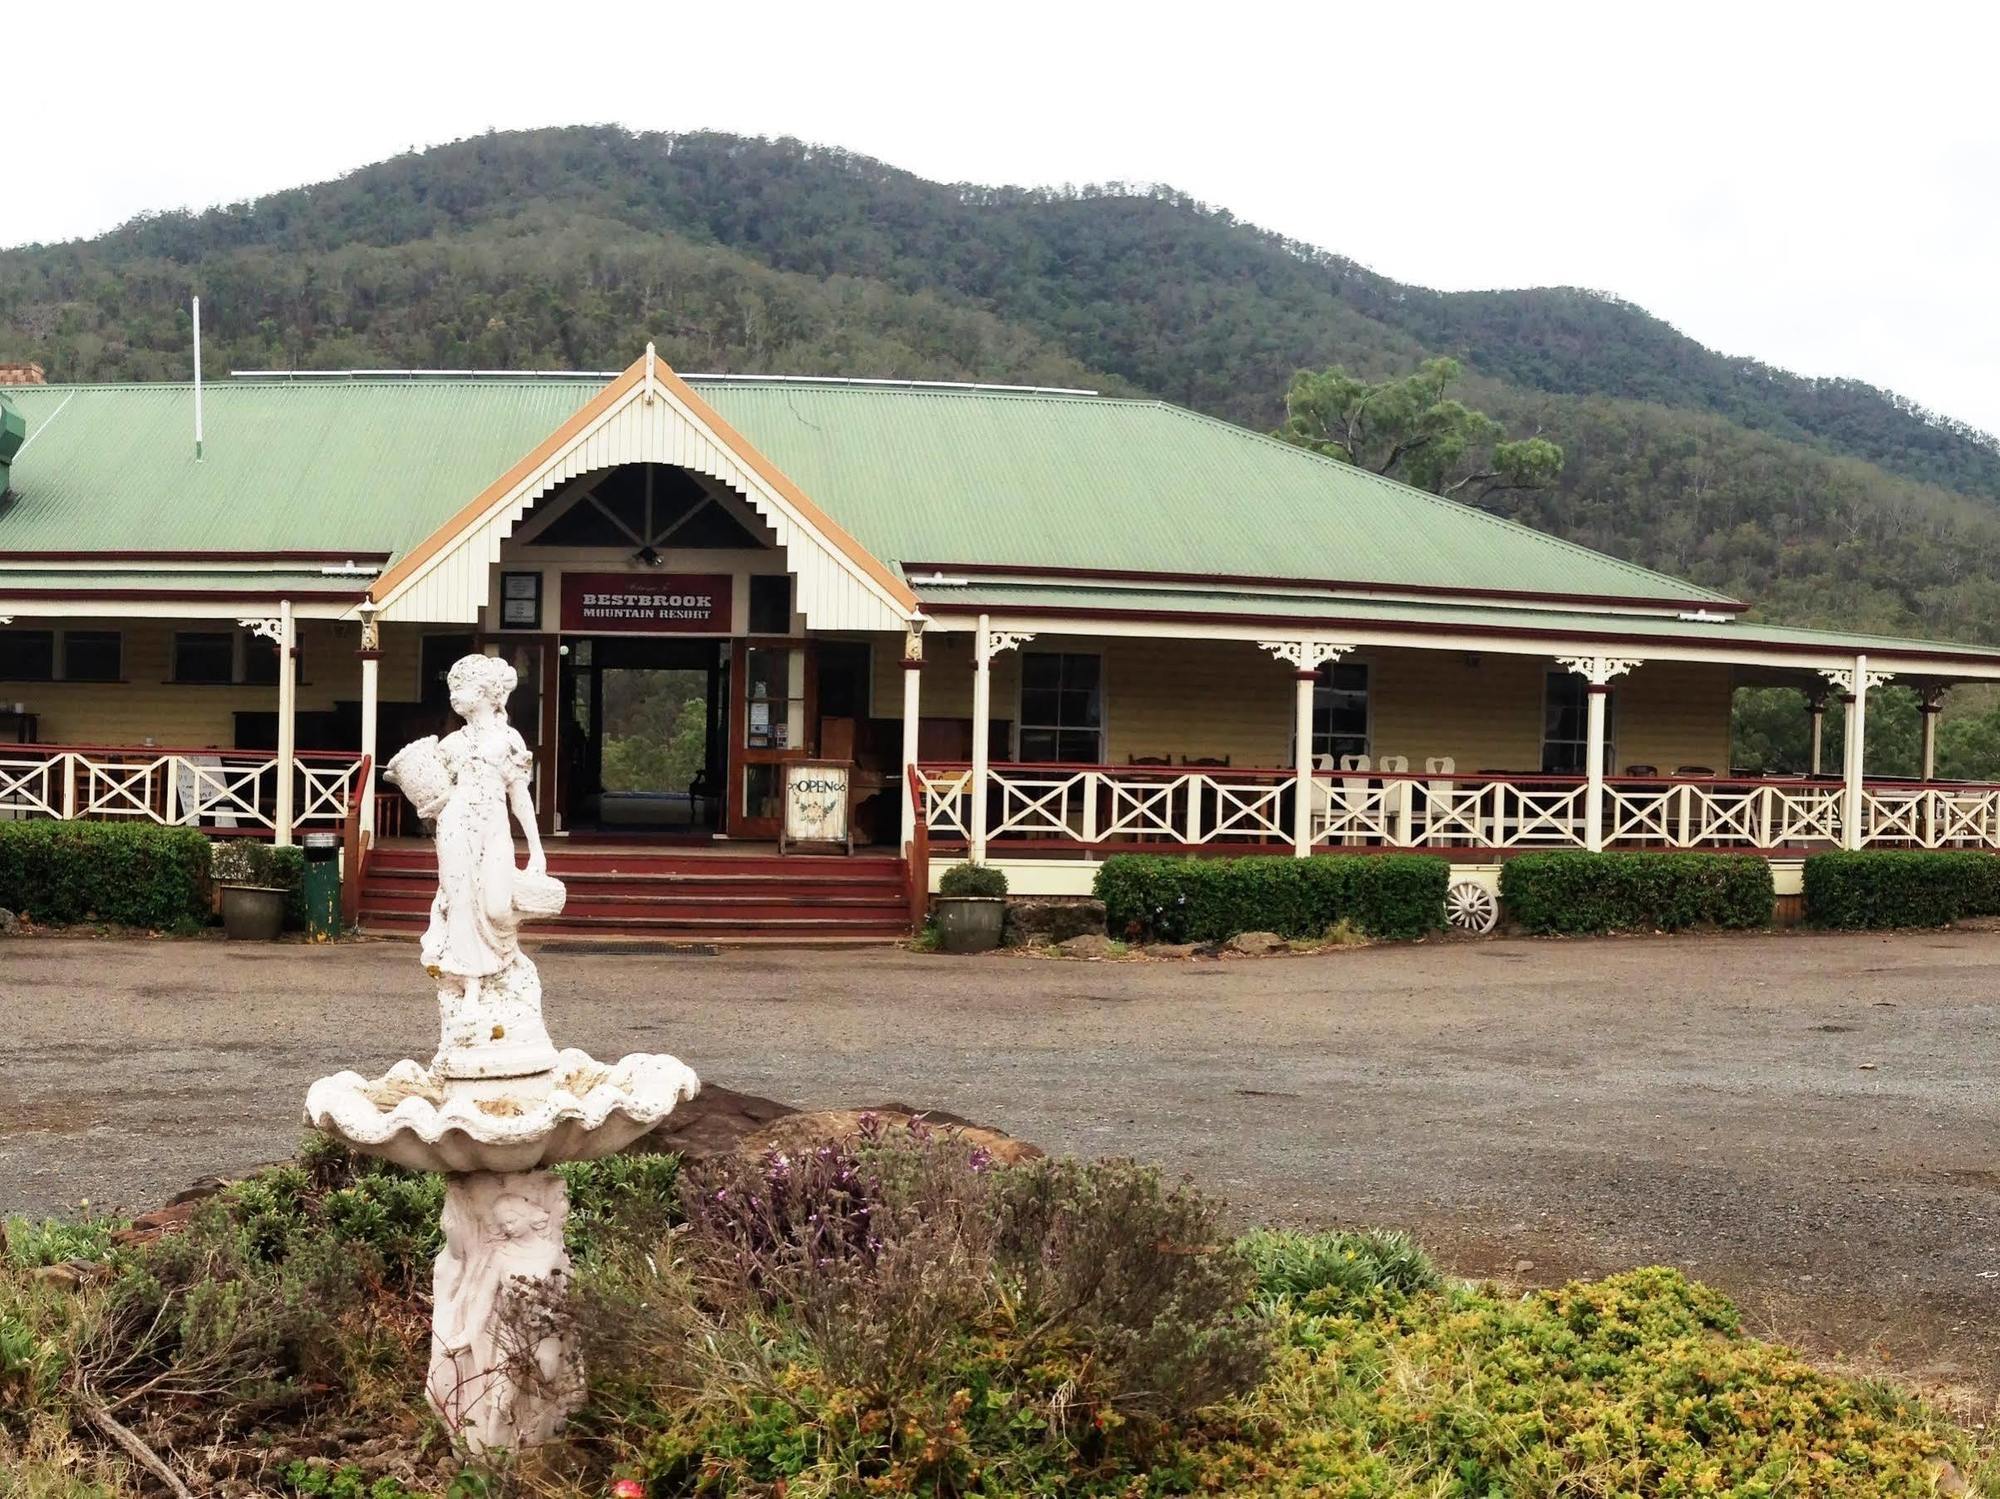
1102 806
225 791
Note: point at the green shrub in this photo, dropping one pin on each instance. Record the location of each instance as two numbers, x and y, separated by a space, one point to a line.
1211 900
1574 892
249 861
1321 1270
128 874
972 879
1894 887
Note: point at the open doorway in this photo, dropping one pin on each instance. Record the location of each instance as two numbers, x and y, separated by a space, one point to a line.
644 741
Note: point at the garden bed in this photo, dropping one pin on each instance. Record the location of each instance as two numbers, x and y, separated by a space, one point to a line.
903 1315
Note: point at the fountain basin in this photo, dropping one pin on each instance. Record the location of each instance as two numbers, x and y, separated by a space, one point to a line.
578 1111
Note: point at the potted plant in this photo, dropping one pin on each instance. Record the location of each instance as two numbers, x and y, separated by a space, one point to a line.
251 878
971 907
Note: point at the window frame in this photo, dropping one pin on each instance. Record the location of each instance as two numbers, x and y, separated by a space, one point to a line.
55 656
178 677
68 667
1323 690
1581 743
1022 727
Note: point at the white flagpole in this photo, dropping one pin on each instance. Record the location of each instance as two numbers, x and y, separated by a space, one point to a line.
197 379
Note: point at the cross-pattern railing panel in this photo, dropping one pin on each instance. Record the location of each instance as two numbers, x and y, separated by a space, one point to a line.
217 790
1094 806
1930 816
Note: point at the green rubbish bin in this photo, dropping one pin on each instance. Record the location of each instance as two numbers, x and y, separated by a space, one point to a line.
322 886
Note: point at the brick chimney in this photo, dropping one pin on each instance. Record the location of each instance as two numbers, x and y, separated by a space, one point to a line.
21 374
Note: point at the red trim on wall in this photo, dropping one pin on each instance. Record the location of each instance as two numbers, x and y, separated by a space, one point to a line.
235 595
132 556
1294 621
1239 580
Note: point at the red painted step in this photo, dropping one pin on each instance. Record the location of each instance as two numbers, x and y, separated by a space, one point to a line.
673 895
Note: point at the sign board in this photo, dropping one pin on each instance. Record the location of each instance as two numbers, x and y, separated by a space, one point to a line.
653 603
815 802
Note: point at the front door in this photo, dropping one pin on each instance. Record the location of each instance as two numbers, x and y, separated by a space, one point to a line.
643 751
771 708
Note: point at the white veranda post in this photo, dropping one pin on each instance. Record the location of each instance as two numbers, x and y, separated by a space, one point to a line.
1597 672
371 694
1854 683
988 643
1929 705
913 678
1305 657
282 632
1816 709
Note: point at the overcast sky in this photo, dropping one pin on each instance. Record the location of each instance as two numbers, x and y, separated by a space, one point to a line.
1815 185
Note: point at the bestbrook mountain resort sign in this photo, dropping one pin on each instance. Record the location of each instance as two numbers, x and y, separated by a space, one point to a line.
695 602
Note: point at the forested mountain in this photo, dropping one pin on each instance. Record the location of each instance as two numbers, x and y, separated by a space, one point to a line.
1823 500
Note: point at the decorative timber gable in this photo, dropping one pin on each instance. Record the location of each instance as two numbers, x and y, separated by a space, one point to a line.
647 415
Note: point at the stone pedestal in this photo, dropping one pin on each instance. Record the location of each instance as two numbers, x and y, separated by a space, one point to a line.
504 1370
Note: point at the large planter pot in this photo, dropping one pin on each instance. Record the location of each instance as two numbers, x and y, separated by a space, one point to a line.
970 923
253 913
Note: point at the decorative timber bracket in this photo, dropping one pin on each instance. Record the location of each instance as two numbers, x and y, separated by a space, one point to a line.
1006 640
1305 655
272 630
1599 670
1842 678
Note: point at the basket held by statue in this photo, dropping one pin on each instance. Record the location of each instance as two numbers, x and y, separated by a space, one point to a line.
418 769
537 894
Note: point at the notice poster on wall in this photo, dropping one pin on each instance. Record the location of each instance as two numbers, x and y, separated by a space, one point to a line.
647 603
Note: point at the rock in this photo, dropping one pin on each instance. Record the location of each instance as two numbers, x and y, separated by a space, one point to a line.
162 1221
1036 921
1952 1482
1172 949
714 1121
70 1274
796 1134
10 924
1090 945
1258 944
1522 1267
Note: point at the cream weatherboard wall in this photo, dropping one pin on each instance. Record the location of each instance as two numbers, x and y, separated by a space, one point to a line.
147 703
1210 699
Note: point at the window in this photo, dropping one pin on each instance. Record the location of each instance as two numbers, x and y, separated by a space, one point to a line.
92 656
204 656
1566 725
260 661
1340 711
27 655
774 699
770 604
1062 707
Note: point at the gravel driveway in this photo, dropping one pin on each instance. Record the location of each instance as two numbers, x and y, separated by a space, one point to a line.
1807 1121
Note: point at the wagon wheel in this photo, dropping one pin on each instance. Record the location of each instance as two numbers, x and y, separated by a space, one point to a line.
1470 907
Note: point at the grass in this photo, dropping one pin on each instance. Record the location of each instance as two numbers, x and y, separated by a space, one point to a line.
909 1318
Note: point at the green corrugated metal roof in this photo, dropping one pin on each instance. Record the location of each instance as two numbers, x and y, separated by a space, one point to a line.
264 583
923 475
372 466
1322 612
919 475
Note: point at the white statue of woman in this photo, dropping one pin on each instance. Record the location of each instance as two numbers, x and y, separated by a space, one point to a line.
473 925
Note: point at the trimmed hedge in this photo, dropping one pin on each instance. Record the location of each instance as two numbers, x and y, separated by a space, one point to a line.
1211 900
131 874
1890 888
1573 892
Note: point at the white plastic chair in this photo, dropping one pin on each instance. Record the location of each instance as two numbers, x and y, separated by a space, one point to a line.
1354 789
